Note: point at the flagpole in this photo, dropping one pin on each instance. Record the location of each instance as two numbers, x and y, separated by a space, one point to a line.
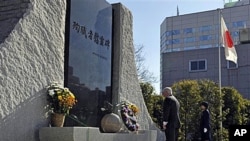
220 93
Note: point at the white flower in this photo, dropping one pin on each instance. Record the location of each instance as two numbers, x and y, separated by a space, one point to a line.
103 109
57 89
51 92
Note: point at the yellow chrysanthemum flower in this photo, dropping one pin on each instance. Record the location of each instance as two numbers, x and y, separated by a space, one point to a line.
134 108
72 96
59 97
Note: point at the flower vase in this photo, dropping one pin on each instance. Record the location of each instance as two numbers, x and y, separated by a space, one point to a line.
111 123
57 120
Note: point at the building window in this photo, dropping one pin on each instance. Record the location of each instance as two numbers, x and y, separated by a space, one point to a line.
168 33
189 48
163 36
235 34
197 65
205 28
205 46
176 49
168 50
168 42
231 65
205 37
188 30
176 32
239 24
189 39
174 41
163 44
172 32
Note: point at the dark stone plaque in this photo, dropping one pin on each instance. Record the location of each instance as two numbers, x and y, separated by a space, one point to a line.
89 58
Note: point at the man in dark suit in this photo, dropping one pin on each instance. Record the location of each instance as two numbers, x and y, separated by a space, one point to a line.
171 119
205 123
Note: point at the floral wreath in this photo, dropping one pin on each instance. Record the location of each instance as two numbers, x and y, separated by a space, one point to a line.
128 114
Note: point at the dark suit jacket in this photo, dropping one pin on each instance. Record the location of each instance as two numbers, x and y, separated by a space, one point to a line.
205 120
171 108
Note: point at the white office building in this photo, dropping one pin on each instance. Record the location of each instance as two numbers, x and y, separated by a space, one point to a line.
189 47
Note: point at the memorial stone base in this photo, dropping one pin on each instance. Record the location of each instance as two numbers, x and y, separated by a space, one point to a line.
92 134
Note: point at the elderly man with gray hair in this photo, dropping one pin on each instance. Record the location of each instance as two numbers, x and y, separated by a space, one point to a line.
171 119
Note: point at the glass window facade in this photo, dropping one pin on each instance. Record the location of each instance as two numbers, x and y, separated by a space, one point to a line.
205 46
174 41
206 37
189 48
205 28
168 42
239 24
176 49
176 32
172 32
162 36
168 33
235 34
228 25
188 30
189 40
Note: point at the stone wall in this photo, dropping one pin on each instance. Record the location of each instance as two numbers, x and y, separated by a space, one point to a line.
125 83
10 13
31 56
92 134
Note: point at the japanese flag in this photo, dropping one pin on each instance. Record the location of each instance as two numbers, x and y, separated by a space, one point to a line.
228 43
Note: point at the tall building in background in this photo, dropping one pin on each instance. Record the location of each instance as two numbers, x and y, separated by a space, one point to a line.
189 47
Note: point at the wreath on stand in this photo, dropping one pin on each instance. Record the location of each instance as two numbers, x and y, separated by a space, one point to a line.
128 114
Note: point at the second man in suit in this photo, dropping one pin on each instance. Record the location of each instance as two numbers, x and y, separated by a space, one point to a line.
171 119
205 122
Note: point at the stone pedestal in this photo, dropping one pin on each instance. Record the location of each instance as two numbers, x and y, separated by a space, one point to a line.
92 134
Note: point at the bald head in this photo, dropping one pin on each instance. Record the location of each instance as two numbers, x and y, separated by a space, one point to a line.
167 91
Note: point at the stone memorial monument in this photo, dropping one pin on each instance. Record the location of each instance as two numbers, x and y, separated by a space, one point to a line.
89 48
85 44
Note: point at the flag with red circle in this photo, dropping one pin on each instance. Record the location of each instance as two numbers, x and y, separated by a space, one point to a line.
228 43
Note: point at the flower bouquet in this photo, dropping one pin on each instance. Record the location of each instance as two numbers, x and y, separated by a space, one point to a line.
61 100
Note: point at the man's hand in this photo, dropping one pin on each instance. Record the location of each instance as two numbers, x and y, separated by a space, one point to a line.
205 130
164 127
